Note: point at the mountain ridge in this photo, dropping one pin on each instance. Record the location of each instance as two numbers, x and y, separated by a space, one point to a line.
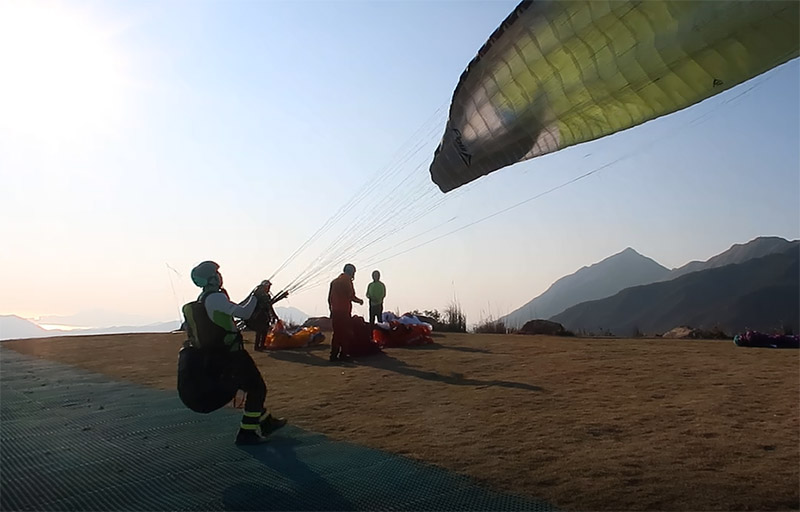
738 253
595 281
602 279
760 293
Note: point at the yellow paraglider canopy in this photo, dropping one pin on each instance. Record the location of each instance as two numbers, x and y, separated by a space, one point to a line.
561 72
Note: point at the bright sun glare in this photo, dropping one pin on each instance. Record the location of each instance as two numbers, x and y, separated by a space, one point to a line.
60 78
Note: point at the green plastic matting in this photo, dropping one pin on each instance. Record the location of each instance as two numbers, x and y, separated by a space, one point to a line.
75 440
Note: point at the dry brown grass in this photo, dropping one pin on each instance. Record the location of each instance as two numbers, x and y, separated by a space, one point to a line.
584 424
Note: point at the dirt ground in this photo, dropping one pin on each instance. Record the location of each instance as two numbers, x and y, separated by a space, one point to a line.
590 424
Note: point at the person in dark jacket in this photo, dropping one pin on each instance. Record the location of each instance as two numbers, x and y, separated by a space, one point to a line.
264 315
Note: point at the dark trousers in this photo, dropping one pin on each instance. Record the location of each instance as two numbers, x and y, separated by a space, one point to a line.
376 311
209 380
342 324
261 338
249 379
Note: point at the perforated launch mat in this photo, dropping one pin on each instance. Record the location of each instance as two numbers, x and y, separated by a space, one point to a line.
75 440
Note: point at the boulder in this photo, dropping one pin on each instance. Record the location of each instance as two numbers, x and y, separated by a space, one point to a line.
544 327
680 332
686 332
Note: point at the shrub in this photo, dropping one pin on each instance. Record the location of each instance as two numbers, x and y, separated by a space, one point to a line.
491 326
453 318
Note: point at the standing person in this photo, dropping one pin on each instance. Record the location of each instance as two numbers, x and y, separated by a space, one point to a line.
264 315
376 292
340 301
214 360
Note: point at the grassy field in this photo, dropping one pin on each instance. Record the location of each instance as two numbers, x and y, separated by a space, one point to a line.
597 424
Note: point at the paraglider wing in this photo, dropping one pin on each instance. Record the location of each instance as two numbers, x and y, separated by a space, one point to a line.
561 72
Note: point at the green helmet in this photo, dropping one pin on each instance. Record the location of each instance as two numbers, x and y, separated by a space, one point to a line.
206 274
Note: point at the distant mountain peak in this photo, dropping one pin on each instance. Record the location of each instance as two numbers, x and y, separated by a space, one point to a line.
599 280
625 257
12 327
628 252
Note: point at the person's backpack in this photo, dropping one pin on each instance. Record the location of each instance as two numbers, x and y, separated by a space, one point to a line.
204 380
205 383
202 332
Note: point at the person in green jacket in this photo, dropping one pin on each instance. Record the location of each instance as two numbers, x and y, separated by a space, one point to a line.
376 292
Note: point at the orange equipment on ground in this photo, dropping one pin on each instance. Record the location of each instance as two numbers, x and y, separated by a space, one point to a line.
279 338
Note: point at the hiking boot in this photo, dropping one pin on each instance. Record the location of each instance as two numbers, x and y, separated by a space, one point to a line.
333 359
249 438
270 424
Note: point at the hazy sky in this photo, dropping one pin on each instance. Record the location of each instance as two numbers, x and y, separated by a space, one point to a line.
139 135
